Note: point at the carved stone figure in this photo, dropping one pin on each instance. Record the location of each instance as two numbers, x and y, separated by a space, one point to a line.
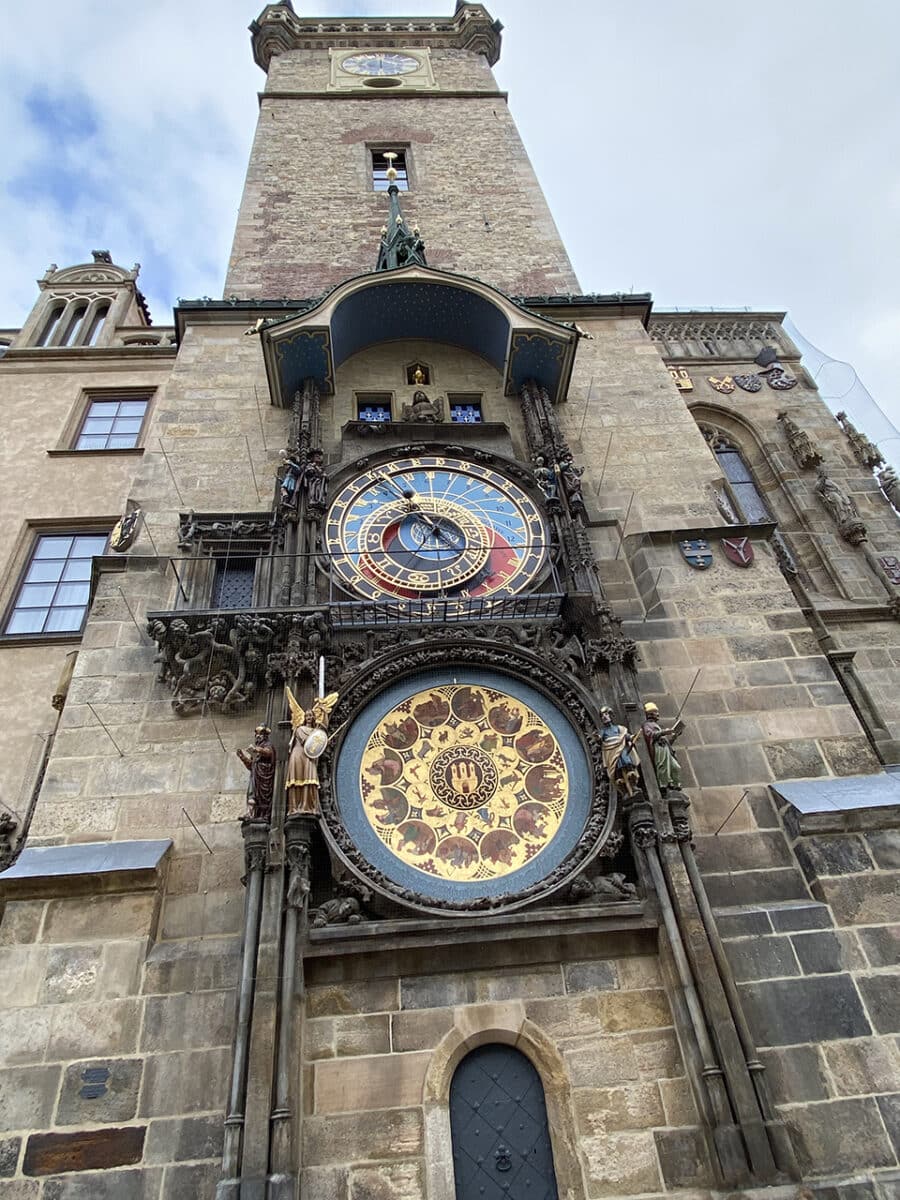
725 507
346 909
864 450
799 443
571 480
614 886
125 531
308 740
619 756
290 471
260 759
314 481
423 410
889 482
546 480
659 743
841 507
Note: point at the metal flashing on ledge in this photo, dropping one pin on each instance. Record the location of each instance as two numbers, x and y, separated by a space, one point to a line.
839 805
86 867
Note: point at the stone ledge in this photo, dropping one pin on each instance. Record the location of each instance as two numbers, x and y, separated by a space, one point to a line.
840 805
86 868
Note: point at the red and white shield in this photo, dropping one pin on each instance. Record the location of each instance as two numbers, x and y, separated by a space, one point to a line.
738 550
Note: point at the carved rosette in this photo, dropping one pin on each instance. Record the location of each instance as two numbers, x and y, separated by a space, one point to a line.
432 653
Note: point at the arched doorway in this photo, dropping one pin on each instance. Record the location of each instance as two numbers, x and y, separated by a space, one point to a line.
498 1123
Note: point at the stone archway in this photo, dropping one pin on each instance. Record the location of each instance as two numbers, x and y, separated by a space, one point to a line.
505 1024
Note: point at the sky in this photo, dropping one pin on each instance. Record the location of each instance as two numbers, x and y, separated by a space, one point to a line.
715 155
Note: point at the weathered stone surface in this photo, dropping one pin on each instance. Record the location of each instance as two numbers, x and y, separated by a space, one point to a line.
383 1081
889 1107
594 1063
180 1138
863 1065
839 1135
869 899
86 1150
79 1101
590 976
799 916
795 1073
657 1054
24 1035
324 1183
795 760
882 998
784 1012
27 1096
357 1137
524 985
196 965
678 1102
639 971
733 924
621 1011
71 973
422 1029
94 918
827 951
190 1181
19 1189
133 1184
832 854
761 957
389 1181
21 921
376 995
82 1030
755 887
9 1155
187 1082
621 1163
633 1106
742 852
683 1158
179 1022
565 1016
884 846
881 945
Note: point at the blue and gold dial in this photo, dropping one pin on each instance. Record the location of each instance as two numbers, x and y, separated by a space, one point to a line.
380 63
434 526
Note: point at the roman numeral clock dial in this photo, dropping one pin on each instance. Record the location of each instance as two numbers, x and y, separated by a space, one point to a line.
434 526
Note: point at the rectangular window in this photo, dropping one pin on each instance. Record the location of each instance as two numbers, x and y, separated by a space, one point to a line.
112 423
380 165
465 410
373 408
233 583
55 590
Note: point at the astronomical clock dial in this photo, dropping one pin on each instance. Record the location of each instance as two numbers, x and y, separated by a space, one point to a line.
434 526
380 63
474 785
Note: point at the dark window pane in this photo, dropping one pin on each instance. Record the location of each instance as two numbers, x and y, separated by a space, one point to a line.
733 466
64 620
52 547
27 620
750 502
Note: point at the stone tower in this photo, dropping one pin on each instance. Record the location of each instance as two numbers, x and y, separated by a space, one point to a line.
559 639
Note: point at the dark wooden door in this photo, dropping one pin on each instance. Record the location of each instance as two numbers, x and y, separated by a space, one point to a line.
498 1119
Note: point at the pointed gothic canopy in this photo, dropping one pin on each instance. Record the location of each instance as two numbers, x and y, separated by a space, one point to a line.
400 246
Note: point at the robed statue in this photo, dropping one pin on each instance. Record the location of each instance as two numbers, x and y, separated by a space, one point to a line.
308 740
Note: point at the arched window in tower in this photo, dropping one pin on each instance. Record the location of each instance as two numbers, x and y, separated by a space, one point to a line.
55 311
94 323
745 495
73 318
499 1131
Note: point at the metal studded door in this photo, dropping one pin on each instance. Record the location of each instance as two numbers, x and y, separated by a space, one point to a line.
498 1121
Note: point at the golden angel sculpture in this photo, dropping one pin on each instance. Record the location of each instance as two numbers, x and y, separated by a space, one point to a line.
308 740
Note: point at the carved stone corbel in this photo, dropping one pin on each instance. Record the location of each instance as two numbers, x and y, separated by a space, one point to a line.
800 444
864 450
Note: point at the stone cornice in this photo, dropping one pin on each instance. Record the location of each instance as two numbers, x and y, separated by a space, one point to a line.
279 29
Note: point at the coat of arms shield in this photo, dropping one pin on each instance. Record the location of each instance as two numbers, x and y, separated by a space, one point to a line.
696 553
738 550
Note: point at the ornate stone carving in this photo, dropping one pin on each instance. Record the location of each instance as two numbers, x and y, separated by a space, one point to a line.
643 834
344 909
223 527
297 855
611 645
8 827
864 450
800 444
748 383
783 554
842 508
599 889
421 410
889 482
212 662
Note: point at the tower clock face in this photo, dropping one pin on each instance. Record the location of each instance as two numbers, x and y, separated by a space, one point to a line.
434 526
380 63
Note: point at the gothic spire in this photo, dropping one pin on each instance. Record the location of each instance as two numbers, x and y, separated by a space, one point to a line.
400 246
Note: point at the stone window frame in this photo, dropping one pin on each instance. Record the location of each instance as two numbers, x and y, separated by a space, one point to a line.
73 322
68 441
381 399
505 1023
22 559
476 399
405 178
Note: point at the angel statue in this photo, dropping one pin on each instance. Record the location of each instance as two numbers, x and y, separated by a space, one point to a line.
308 740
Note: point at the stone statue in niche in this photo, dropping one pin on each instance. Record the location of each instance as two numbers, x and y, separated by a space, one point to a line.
289 471
260 760
600 888
841 507
346 909
314 481
546 480
659 742
619 757
308 741
422 410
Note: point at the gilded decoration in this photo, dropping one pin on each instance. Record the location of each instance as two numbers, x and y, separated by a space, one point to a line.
464 782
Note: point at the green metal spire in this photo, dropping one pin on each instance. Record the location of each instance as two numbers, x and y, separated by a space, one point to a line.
400 245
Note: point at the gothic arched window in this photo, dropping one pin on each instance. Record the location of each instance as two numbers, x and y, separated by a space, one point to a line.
747 498
499 1131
